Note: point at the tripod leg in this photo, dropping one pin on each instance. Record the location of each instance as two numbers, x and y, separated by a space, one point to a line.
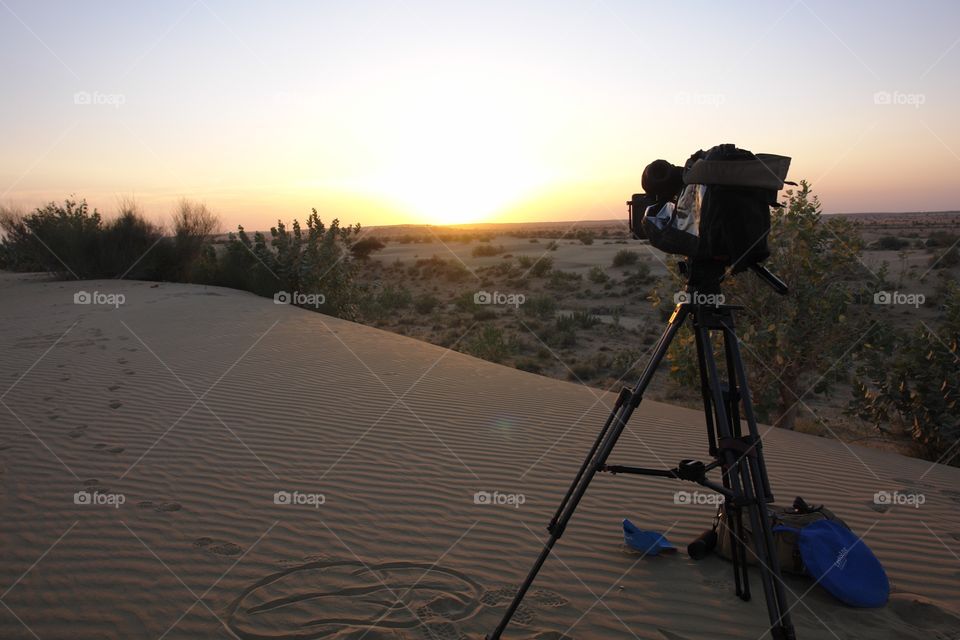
716 411
597 457
705 393
782 626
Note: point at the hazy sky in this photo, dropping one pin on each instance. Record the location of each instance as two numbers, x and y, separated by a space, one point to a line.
406 111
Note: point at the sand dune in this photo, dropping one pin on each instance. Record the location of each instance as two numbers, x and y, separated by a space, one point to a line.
187 409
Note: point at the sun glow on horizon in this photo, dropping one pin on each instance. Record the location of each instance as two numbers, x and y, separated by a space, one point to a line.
447 147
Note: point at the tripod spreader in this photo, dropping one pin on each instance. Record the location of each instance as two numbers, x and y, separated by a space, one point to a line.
682 472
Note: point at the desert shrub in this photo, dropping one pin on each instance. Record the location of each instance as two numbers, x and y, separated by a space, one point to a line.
132 247
486 250
625 257
892 243
245 265
564 281
552 245
489 343
315 262
393 299
910 379
540 306
62 239
68 240
435 267
626 362
640 277
425 304
465 302
361 249
541 267
585 237
597 275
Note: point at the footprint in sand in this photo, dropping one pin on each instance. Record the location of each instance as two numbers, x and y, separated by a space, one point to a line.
105 447
113 387
341 598
130 372
160 507
116 404
77 432
879 508
122 361
218 547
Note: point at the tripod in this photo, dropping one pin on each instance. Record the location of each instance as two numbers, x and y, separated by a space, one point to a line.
744 482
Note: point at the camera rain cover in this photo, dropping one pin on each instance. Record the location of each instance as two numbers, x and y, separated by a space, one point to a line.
673 228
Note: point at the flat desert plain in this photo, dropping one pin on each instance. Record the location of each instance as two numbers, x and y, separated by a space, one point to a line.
197 462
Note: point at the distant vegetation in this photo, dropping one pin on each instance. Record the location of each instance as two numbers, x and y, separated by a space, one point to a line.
71 241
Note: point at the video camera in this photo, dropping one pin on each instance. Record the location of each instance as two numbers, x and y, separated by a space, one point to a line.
715 208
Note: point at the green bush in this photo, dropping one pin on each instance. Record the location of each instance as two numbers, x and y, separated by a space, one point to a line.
585 237
541 267
361 249
910 379
892 243
486 250
68 240
490 344
425 304
625 257
540 306
597 275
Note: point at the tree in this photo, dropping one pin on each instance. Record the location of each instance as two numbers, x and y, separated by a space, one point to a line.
792 344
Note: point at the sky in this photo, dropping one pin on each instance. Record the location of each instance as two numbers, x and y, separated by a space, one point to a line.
407 111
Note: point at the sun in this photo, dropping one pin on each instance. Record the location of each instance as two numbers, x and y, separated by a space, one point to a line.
445 157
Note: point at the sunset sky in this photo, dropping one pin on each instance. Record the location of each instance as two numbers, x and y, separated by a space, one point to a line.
402 111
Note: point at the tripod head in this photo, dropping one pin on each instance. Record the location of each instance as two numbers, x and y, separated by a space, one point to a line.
705 275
